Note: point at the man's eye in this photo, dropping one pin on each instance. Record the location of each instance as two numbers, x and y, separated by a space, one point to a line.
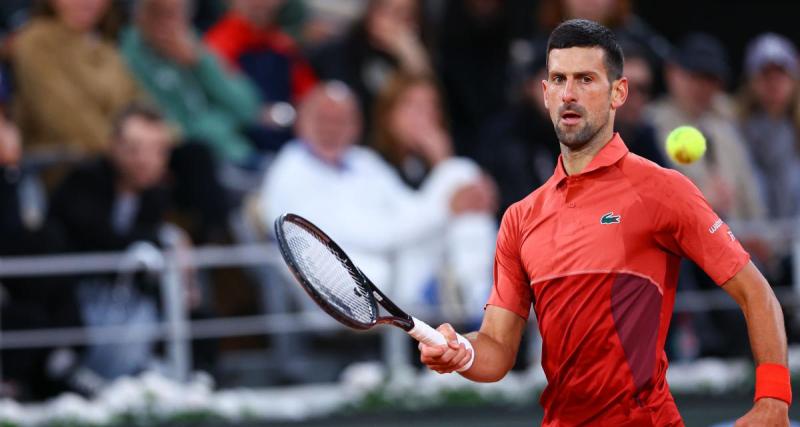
558 79
586 79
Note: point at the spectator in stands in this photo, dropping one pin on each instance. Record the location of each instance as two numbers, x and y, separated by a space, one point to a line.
19 227
188 82
353 194
770 108
70 82
389 37
410 127
17 367
696 76
474 46
11 217
411 134
636 130
26 303
110 204
619 16
249 39
518 146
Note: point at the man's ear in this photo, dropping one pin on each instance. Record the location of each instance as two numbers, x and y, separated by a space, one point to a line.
619 92
544 93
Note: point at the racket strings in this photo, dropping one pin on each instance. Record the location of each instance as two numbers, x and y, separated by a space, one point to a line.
328 275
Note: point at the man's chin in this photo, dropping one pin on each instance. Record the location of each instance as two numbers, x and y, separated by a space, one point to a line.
574 145
574 139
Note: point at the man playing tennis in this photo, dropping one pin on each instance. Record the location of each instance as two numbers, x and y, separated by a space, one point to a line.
596 251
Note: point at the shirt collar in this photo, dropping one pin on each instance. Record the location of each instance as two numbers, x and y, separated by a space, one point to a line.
611 153
342 164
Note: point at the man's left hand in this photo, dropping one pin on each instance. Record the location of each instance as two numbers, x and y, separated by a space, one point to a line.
766 412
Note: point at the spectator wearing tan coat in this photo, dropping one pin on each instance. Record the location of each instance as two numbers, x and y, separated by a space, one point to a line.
70 81
695 79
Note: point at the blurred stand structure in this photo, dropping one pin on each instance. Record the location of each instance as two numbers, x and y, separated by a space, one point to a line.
177 330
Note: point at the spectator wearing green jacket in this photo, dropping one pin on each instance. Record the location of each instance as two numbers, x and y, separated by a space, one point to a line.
209 102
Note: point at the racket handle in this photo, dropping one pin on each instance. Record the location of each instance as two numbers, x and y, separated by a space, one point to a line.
423 333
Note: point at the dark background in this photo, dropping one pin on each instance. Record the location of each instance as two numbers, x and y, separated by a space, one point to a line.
735 22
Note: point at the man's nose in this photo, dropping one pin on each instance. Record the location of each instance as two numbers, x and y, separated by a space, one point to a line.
568 94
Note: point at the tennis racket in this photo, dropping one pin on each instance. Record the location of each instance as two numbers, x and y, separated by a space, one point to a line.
328 275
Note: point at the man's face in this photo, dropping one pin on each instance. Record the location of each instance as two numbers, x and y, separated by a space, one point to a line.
330 125
161 15
81 15
417 108
140 153
693 92
774 88
578 94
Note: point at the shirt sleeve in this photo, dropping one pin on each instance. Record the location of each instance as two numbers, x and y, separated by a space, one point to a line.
689 227
511 289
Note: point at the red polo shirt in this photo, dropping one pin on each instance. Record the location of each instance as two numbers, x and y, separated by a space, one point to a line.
597 255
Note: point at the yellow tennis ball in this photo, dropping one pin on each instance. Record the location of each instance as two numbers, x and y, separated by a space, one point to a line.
686 144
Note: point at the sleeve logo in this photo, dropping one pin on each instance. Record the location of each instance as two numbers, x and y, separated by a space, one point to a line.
715 226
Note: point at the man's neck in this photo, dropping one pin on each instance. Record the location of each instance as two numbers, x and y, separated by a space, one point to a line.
576 160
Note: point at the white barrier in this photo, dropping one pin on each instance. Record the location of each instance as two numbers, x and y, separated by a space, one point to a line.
176 329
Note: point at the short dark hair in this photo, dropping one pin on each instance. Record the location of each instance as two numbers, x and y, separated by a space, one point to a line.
139 110
586 33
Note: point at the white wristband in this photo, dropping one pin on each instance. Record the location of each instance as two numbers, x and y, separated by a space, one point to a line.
423 333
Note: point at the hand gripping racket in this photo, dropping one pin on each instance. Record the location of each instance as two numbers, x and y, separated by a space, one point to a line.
332 280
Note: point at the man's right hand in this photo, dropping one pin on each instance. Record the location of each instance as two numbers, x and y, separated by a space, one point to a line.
445 358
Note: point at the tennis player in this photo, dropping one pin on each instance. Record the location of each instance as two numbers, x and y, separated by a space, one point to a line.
596 251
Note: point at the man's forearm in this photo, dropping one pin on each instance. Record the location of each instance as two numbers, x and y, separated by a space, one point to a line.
762 312
765 327
492 359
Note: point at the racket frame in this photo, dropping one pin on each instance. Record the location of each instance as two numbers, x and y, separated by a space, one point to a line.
398 317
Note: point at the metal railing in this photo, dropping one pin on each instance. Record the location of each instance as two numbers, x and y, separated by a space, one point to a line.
176 330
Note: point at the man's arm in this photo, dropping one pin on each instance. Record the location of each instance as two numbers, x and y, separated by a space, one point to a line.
495 346
767 338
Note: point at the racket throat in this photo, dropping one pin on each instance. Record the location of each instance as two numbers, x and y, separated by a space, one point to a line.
404 323
398 317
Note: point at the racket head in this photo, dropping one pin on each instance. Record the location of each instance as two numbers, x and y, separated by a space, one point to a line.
326 273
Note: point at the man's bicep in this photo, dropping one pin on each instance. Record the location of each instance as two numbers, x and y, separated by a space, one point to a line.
503 326
743 284
511 288
699 233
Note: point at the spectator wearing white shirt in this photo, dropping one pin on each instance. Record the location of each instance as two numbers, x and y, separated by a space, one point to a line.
403 239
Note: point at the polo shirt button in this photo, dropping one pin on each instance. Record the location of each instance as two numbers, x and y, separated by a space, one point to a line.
572 204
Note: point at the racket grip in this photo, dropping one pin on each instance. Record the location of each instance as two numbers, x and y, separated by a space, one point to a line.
425 334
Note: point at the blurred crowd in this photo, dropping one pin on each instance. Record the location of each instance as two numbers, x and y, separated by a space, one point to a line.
404 128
